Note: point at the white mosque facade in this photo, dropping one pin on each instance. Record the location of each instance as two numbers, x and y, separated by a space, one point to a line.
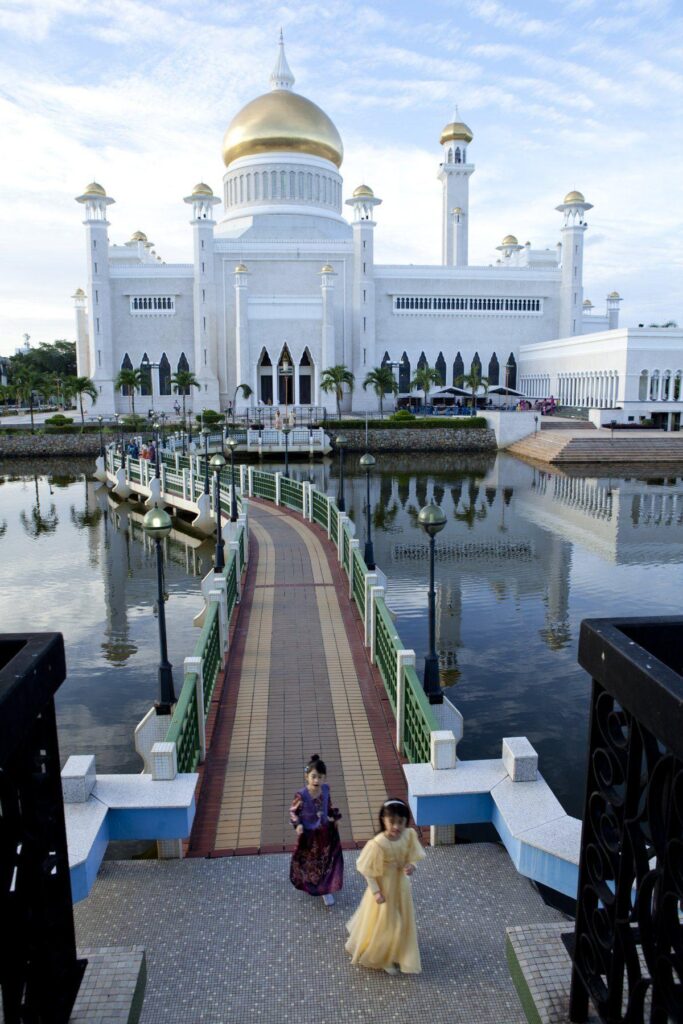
280 278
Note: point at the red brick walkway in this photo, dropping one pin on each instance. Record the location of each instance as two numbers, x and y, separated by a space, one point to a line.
298 682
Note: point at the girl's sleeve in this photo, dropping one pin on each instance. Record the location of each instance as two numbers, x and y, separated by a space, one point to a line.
371 864
333 813
415 851
295 810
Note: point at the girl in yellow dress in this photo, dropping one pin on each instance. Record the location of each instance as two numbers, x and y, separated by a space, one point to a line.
382 932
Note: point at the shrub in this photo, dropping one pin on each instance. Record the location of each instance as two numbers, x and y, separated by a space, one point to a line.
452 423
58 420
211 418
135 422
403 415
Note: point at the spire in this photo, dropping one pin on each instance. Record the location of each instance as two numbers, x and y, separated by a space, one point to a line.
281 77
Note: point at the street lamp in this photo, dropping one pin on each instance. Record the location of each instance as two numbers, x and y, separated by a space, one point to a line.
367 463
232 445
340 441
286 431
162 417
119 423
432 519
157 526
100 420
218 464
286 371
205 435
157 467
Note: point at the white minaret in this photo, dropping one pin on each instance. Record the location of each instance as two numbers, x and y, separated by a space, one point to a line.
242 369
100 355
571 289
613 300
206 367
82 355
363 359
327 341
454 174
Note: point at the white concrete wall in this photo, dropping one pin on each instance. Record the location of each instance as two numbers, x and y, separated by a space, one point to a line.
511 426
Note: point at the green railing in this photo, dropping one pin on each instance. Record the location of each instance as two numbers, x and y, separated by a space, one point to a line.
334 524
264 484
346 551
320 509
419 719
291 494
359 570
386 649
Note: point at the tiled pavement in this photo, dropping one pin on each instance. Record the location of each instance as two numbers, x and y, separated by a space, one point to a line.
230 941
299 681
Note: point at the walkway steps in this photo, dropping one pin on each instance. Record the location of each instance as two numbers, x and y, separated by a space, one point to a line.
564 447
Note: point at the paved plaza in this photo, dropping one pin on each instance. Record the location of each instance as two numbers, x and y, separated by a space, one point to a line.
230 941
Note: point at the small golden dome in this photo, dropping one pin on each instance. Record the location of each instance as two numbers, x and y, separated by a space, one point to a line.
202 189
363 190
327 269
574 197
587 304
279 121
78 294
138 236
456 131
614 295
93 189
509 240
241 269
457 209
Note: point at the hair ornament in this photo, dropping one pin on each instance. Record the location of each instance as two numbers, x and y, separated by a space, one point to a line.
394 803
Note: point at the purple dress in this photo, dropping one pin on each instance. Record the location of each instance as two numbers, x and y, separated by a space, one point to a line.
317 863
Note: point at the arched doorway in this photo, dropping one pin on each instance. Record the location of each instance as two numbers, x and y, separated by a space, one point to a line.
264 372
305 379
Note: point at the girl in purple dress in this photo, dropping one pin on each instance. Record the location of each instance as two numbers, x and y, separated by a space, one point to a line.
317 864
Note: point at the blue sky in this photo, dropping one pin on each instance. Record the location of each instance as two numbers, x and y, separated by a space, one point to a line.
560 95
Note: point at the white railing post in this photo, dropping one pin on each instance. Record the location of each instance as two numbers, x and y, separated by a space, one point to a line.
374 592
219 596
234 545
250 484
176 459
185 483
329 518
190 665
354 544
309 492
341 522
242 522
162 473
278 478
404 659
369 581
243 478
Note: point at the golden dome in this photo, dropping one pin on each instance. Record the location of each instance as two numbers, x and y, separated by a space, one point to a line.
574 197
456 131
327 269
457 209
614 295
509 240
93 189
138 236
279 121
241 269
587 304
78 294
202 189
363 190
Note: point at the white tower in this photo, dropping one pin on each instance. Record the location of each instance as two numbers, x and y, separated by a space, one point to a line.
206 365
613 300
82 354
571 289
363 202
454 174
100 365
242 369
327 339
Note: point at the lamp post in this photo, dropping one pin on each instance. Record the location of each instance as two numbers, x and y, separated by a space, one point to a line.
367 462
218 464
157 466
162 417
205 435
286 371
340 441
100 420
286 431
432 519
119 423
157 526
232 445
536 422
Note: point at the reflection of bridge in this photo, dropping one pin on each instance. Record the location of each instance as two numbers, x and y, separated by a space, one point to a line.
491 550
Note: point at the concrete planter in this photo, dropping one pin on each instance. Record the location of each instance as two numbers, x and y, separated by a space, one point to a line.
407 439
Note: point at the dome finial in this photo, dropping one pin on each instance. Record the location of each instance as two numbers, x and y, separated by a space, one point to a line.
281 76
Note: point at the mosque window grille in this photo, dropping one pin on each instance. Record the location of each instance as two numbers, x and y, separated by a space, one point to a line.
152 305
467 304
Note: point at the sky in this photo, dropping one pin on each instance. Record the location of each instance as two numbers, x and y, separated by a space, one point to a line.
137 95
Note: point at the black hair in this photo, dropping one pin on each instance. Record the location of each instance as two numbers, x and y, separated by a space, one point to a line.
393 808
316 762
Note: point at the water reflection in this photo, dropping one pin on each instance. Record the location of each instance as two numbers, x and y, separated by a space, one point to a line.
39 520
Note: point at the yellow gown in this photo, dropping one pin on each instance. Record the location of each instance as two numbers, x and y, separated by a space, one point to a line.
384 934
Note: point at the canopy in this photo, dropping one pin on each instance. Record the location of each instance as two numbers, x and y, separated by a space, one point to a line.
500 389
452 392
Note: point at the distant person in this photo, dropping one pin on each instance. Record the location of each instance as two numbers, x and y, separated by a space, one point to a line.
291 418
278 420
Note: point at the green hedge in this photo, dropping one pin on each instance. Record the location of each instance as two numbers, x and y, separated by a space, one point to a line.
433 423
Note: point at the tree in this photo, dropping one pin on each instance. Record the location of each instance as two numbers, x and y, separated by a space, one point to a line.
58 357
26 383
333 379
473 380
424 377
76 387
246 393
382 382
130 381
182 381
669 323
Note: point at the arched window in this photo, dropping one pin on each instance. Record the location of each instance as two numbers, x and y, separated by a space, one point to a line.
458 369
476 365
164 376
666 386
677 386
422 361
305 378
654 386
265 377
457 155
404 375
126 365
183 367
642 386
440 367
146 376
494 370
450 155
511 372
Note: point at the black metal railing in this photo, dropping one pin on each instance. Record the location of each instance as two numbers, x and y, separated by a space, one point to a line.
628 940
39 971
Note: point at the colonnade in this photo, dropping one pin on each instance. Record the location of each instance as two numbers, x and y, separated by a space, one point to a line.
597 390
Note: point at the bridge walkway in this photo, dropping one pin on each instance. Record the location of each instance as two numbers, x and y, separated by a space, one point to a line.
298 681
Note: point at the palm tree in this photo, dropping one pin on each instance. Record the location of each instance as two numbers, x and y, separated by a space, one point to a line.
182 381
382 382
26 383
130 380
473 380
333 379
424 377
246 393
79 386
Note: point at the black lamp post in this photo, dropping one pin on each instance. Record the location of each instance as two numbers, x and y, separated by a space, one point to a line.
367 463
340 441
157 464
536 422
119 423
162 417
100 420
157 526
232 445
218 464
286 431
432 519
286 371
205 435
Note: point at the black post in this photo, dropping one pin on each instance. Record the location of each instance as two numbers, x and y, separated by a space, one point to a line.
432 685
285 431
341 504
369 552
205 432
166 693
157 464
219 561
99 420
233 496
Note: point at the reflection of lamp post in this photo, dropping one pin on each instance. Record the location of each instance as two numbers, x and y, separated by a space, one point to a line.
217 464
432 519
286 432
340 441
205 435
286 371
100 420
536 422
232 445
157 468
157 526
367 463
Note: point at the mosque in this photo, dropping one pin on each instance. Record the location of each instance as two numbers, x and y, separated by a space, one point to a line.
282 285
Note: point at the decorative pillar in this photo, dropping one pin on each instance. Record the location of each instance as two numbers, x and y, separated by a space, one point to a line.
571 288
206 368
